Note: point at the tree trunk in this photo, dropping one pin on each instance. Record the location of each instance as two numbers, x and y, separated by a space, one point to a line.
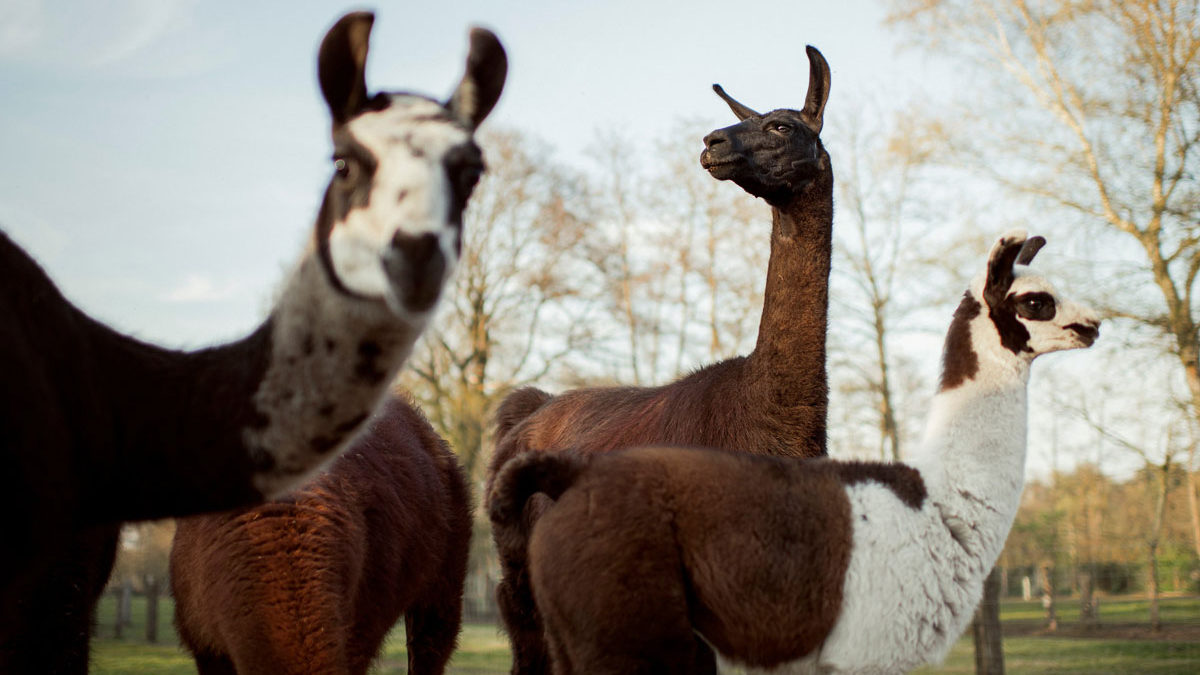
151 609
124 608
989 645
1155 620
1087 602
1048 598
1193 503
1159 512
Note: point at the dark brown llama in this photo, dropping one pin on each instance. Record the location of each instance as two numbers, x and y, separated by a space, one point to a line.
313 582
771 402
97 428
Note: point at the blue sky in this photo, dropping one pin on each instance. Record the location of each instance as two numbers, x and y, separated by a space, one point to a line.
164 158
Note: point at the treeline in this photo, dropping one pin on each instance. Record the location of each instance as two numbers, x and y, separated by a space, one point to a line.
1083 533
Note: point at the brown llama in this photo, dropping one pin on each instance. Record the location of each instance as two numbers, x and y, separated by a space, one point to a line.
97 428
771 402
799 566
313 582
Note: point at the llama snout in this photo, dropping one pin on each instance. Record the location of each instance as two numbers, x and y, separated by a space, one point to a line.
1087 330
417 266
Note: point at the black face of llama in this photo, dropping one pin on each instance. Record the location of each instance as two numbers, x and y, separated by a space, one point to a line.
404 165
773 155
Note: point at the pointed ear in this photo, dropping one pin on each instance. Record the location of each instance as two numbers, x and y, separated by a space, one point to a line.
1000 266
487 68
341 64
818 90
741 111
1029 249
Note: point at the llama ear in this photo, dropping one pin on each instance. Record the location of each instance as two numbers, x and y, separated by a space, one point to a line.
487 68
1000 266
818 90
1029 249
341 64
741 111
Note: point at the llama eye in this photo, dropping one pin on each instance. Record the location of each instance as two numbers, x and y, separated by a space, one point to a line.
1036 306
341 167
783 128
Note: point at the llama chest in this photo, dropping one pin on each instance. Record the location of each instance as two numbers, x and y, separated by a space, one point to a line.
910 589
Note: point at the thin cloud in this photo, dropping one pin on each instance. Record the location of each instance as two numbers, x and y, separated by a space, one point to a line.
200 288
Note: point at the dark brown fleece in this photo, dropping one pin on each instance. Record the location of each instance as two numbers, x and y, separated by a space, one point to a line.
313 582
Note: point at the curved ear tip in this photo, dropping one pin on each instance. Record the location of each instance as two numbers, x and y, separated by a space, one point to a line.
717 88
358 17
1014 235
484 36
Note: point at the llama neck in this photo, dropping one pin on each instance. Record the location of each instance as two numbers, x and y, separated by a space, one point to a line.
255 415
787 366
973 455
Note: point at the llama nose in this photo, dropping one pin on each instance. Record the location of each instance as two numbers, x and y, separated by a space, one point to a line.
1088 330
417 267
716 138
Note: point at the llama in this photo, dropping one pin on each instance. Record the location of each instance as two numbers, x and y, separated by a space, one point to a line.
807 565
771 402
98 428
312 583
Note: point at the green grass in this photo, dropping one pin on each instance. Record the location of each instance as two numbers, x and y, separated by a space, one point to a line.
1112 610
483 650
1065 656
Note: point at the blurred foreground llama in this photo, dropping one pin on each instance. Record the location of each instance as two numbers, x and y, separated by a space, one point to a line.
97 428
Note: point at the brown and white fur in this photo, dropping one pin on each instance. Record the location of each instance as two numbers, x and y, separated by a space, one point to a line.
771 402
804 566
97 428
313 582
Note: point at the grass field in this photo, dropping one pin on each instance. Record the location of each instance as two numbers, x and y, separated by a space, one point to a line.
483 650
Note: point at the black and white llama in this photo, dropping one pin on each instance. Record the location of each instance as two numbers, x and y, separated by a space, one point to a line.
799 566
97 428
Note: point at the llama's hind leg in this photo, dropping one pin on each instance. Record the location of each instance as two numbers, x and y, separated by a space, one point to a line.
432 632
514 598
214 664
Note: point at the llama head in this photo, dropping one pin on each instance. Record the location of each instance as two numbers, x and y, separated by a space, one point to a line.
390 226
772 155
1011 314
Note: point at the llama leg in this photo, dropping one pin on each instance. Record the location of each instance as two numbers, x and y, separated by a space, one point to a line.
612 588
433 624
514 597
559 657
214 664
432 632
704 658
56 605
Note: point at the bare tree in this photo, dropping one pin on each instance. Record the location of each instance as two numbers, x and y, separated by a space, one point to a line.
681 257
715 238
881 242
519 293
1157 445
1092 107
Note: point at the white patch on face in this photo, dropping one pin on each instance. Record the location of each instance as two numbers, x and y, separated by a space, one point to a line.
410 193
